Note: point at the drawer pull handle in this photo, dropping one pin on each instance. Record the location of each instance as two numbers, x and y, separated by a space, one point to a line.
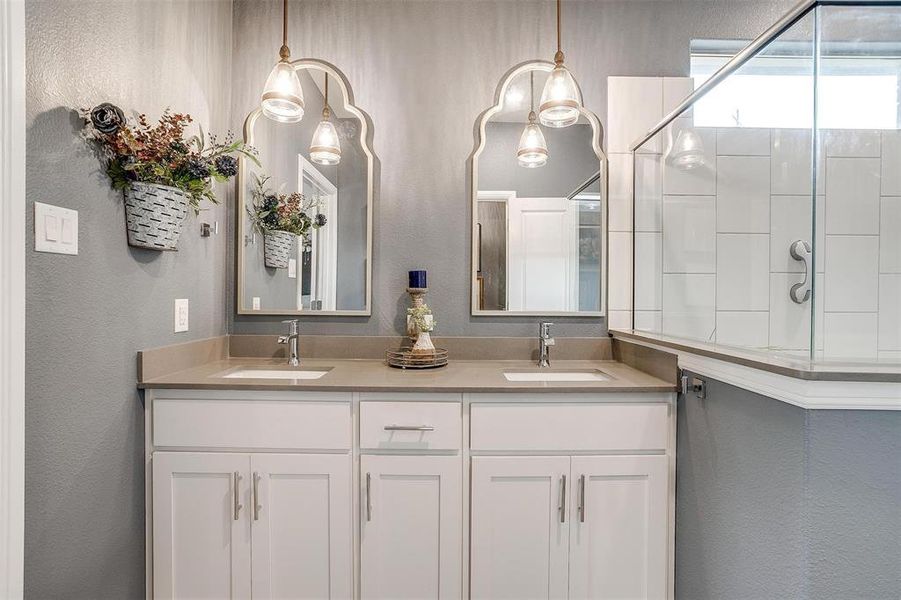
409 428
562 507
236 478
256 496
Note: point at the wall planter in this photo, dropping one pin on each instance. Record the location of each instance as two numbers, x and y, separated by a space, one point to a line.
154 214
277 248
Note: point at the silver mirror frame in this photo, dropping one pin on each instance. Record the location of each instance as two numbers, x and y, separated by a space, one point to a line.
366 132
480 140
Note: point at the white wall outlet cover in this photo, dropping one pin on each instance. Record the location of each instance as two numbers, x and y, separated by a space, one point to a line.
292 268
256 303
181 315
55 229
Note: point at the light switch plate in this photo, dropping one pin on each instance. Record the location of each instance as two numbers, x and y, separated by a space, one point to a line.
292 268
55 229
256 303
181 315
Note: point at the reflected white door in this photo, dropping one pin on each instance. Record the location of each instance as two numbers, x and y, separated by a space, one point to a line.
200 550
618 539
302 527
543 254
412 527
520 532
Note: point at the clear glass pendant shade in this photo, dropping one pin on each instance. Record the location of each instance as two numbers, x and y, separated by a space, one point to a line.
561 100
282 97
688 151
325 149
532 151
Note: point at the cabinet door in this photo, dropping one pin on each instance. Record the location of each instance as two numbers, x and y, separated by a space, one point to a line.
520 527
301 513
201 533
412 528
619 538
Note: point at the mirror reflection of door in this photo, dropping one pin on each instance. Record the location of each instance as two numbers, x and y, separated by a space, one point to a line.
318 255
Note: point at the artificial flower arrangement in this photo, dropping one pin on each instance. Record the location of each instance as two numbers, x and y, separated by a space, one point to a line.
160 170
281 217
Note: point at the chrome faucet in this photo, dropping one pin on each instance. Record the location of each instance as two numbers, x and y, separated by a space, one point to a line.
545 341
291 341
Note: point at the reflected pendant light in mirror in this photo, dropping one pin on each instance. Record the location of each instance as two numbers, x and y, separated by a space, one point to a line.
561 100
325 149
282 97
532 151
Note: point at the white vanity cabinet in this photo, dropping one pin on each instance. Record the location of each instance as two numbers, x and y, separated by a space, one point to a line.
571 500
341 495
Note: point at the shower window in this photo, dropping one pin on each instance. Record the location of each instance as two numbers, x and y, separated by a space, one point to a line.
777 89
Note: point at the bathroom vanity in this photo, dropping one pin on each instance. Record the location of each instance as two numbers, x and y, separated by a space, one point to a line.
369 482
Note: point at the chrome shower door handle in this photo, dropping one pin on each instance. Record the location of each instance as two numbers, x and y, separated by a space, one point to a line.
801 251
368 497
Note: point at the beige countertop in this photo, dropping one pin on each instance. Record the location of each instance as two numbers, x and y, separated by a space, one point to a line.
375 376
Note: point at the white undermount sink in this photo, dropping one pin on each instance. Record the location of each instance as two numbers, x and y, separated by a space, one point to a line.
277 373
558 376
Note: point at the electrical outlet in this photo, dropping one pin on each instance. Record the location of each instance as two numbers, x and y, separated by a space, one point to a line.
181 315
292 268
256 303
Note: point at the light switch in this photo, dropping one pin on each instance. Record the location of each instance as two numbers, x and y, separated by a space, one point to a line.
256 303
181 315
55 229
292 268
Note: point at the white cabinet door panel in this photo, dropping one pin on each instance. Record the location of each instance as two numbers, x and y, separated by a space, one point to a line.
200 550
618 540
411 534
302 526
520 535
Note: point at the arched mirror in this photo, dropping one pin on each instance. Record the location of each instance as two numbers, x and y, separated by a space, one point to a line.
539 206
305 211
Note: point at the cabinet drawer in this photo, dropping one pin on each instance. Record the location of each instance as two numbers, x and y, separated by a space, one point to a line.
410 425
267 424
599 427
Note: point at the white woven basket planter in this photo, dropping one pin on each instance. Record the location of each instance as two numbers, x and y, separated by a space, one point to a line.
277 248
154 214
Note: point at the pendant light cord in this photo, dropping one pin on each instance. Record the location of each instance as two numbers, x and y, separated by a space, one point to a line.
558 58
531 92
284 53
326 111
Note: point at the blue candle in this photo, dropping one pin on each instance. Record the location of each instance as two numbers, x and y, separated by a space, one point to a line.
418 279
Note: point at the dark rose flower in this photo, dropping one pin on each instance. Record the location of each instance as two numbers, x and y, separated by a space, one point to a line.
227 166
107 118
321 220
197 169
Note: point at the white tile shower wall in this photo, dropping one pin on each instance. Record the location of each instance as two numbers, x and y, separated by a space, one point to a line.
635 104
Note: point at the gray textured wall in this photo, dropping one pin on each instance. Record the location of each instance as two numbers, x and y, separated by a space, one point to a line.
776 502
424 71
89 314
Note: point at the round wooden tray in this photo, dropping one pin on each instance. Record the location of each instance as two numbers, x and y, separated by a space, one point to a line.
405 359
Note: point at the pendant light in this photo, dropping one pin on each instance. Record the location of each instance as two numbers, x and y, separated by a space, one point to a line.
325 149
561 100
532 152
282 97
